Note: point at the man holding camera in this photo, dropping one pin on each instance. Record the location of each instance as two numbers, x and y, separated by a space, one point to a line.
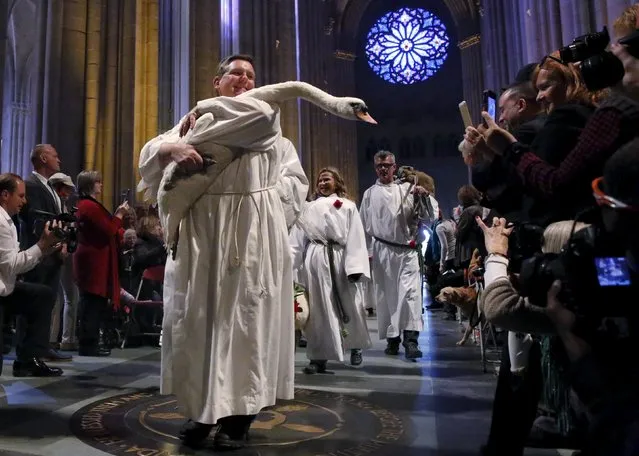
32 301
521 114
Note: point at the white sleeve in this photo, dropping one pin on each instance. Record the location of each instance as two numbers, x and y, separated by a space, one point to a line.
441 235
356 252
14 261
363 212
292 184
496 268
150 165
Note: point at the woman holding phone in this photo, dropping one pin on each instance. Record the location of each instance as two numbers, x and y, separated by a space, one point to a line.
95 262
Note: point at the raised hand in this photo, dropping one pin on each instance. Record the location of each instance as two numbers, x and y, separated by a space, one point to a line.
496 137
496 236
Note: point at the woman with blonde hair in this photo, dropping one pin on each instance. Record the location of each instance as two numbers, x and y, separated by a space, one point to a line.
331 260
569 104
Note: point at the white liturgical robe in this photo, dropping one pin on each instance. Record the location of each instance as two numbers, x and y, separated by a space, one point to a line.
228 329
389 214
335 220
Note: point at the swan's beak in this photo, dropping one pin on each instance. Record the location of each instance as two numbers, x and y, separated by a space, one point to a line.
366 117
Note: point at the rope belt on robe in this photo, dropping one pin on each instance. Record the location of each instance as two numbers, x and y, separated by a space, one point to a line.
420 256
248 193
329 245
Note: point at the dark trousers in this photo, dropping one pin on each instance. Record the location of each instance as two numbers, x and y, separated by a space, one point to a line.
93 310
515 405
32 303
47 274
408 336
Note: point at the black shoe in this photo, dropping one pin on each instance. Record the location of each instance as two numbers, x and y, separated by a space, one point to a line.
356 357
34 368
412 351
193 434
392 346
94 351
55 356
315 367
223 442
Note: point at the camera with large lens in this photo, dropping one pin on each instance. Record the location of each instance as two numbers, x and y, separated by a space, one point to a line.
67 229
594 275
524 242
599 68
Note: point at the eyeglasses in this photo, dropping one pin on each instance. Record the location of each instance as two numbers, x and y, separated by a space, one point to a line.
606 200
384 165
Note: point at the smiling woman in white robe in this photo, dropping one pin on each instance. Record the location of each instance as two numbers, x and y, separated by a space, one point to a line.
228 329
331 222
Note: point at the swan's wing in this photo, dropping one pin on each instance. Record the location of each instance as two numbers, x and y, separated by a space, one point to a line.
178 191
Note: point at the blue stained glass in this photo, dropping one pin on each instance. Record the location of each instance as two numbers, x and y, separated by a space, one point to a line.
407 46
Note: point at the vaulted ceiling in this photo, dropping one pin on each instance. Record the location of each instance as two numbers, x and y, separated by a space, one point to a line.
348 14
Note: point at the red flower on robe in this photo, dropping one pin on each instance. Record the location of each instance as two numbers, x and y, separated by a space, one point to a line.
297 307
412 244
337 204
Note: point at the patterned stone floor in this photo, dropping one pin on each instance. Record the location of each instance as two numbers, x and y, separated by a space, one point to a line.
437 406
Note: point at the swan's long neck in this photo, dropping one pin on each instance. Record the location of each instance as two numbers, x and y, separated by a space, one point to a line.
277 93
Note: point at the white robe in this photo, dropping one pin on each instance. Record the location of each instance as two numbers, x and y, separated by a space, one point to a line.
228 329
388 213
322 221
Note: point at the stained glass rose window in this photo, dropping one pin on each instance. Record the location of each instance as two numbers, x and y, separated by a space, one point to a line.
407 46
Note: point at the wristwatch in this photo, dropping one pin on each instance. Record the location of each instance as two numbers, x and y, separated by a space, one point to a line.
514 152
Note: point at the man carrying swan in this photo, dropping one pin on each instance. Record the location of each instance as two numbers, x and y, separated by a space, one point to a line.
228 330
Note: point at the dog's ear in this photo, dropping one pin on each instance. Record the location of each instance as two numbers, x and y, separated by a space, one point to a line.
456 294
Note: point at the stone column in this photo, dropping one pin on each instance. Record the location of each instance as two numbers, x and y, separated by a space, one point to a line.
326 139
145 113
229 19
267 30
51 51
21 75
165 65
205 47
472 77
67 119
181 61
4 11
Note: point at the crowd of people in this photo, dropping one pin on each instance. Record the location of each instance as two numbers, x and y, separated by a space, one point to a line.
228 335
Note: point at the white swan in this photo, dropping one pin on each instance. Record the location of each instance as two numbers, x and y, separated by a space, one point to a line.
178 191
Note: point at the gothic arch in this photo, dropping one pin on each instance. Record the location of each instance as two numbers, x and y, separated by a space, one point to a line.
349 14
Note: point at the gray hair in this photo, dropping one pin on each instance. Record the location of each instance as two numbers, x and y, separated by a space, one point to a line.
383 155
86 181
557 235
38 150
